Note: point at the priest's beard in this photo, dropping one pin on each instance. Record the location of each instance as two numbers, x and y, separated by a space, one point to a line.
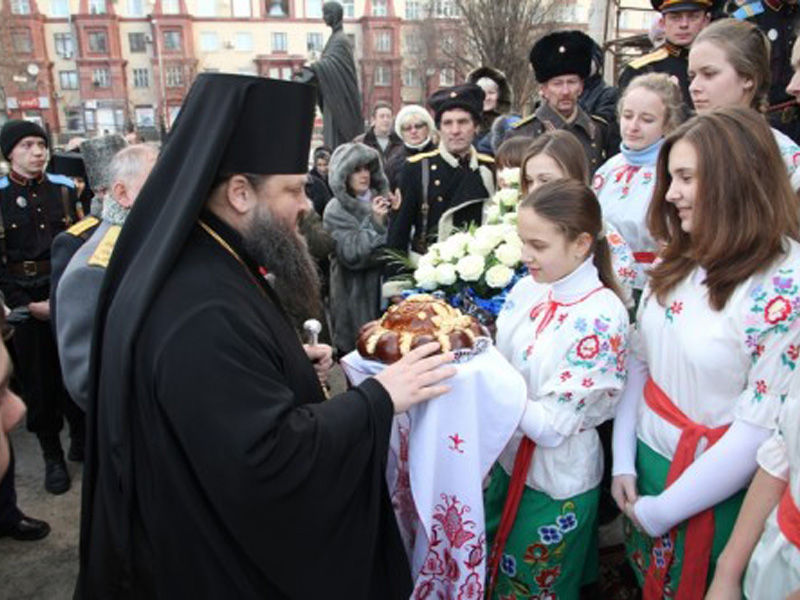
284 252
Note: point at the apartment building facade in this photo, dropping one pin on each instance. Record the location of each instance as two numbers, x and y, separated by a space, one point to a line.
84 67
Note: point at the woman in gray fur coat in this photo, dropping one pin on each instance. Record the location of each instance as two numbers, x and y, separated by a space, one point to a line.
356 219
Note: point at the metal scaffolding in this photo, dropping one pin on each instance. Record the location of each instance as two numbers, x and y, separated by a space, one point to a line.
619 50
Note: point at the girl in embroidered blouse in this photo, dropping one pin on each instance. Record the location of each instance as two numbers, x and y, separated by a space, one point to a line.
650 108
714 346
766 538
564 327
555 155
729 66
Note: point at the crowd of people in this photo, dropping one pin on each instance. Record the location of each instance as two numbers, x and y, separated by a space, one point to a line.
155 300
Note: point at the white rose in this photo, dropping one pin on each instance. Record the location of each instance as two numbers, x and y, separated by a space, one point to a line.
508 197
470 268
509 254
493 234
493 214
425 277
446 274
480 246
427 260
499 276
509 219
509 176
512 237
453 249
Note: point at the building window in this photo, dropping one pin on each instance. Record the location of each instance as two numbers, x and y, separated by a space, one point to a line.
135 8
68 80
314 42
349 8
63 44
20 7
447 77
314 9
244 41
410 78
59 8
412 43
141 78
241 8
286 73
97 7
445 9
277 8
21 41
88 116
280 41
172 40
98 42
174 76
383 76
448 43
101 78
170 7
74 120
383 41
379 8
137 41
209 41
412 10
206 8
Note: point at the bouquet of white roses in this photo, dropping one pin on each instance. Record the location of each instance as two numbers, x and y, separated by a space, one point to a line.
503 205
482 259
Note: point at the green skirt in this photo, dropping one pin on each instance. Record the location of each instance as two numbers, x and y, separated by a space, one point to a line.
651 469
552 549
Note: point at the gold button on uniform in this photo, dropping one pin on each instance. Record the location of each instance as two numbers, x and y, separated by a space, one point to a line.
439 198
434 167
41 226
437 182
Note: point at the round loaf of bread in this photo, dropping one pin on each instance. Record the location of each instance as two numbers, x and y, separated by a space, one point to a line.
417 320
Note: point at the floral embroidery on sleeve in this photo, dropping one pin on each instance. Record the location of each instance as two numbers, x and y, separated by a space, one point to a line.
602 349
673 309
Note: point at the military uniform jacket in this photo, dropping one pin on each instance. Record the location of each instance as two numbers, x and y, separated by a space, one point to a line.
33 212
64 247
451 183
669 59
592 131
75 307
779 21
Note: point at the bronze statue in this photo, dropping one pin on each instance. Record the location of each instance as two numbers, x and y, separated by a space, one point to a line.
335 76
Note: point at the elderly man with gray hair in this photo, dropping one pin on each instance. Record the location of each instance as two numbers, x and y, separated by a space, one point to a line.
79 288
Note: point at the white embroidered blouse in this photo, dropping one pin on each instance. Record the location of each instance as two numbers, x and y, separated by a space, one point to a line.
718 366
574 366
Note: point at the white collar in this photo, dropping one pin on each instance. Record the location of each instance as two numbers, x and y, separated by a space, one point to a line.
577 284
452 160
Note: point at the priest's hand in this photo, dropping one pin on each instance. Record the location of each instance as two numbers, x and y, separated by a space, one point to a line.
321 356
40 310
417 377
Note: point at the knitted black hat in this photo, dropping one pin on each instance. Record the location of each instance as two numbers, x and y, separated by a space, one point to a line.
468 97
562 53
16 129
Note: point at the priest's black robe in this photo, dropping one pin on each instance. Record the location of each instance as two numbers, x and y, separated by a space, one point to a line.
246 482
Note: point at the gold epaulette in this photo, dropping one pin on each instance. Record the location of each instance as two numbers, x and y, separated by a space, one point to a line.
83 225
599 118
421 155
642 61
102 254
524 121
485 157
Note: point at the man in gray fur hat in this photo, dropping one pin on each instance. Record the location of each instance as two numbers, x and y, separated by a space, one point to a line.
97 155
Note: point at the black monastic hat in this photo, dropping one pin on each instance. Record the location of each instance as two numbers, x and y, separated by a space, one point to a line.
467 96
562 53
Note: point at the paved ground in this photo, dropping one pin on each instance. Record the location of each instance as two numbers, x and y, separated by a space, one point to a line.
46 569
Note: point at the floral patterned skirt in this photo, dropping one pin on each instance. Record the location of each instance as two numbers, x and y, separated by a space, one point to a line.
552 549
651 469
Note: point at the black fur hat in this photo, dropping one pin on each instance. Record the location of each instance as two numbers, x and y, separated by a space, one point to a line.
562 53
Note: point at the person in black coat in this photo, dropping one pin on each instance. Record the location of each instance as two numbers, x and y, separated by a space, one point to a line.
318 189
217 468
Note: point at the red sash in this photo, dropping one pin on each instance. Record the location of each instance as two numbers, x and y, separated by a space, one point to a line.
647 258
519 474
700 531
789 518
